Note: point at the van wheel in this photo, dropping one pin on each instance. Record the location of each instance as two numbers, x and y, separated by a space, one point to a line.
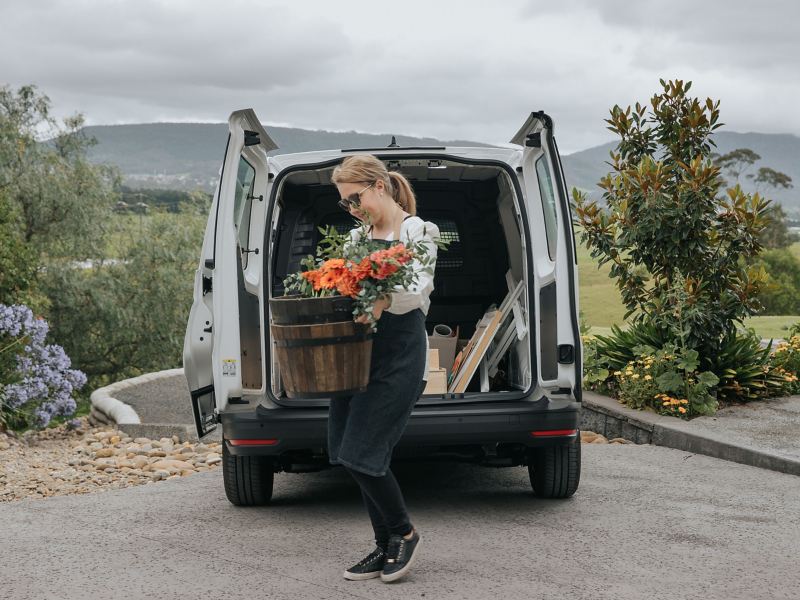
555 471
248 479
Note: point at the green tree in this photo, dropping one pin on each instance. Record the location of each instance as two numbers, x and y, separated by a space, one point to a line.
667 219
125 317
738 162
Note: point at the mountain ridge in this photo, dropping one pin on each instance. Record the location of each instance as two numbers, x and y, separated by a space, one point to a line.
188 155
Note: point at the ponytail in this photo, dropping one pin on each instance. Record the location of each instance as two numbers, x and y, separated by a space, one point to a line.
402 192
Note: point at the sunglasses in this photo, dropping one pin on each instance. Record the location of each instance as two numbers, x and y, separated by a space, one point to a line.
353 200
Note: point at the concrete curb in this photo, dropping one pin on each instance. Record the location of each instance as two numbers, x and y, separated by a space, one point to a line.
107 410
607 416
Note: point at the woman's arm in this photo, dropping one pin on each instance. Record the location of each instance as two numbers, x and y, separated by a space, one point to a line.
418 294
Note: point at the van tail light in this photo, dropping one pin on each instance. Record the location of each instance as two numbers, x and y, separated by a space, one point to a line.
253 442
554 432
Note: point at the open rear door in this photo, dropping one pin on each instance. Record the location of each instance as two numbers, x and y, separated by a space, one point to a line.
212 347
555 290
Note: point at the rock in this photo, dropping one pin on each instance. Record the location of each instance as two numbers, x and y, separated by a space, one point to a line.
171 464
95 445
155 444
104 452
114 439
186 472
156 453
619 440
599 440
213 458
4 445
176 439
176 476
141 440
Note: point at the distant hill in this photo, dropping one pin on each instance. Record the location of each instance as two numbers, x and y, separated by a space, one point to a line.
188 155
778 151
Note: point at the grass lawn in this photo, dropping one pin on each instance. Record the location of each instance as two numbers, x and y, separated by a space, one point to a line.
601 305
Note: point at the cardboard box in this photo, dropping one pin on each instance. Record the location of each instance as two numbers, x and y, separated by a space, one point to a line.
437 382
433 359
447 350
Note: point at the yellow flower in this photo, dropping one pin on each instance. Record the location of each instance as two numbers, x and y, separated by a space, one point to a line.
617 372
647 377
636 376
681 409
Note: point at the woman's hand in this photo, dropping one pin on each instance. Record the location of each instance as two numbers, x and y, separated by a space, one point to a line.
380 305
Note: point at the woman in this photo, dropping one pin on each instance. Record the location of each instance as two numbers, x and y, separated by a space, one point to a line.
363 429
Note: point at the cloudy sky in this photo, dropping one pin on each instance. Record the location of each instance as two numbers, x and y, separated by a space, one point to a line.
445 68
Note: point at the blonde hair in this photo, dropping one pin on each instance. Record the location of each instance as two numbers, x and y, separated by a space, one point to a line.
366 168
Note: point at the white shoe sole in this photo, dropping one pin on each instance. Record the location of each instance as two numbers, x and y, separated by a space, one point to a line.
404 570
361 576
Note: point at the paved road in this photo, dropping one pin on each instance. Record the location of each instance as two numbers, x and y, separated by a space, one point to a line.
647 522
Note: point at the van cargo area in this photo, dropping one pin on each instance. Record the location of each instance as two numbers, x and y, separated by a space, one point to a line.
477 210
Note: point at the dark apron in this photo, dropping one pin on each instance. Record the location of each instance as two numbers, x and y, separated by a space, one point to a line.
363 429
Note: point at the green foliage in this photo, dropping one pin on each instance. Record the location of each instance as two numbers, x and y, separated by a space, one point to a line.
669 381
785 362
120 319
742 366
780 292
667 219
776 232
171 200
18 263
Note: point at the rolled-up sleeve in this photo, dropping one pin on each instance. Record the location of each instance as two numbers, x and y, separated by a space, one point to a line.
418 294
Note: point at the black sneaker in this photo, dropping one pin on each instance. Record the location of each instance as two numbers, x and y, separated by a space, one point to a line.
400 556
368 567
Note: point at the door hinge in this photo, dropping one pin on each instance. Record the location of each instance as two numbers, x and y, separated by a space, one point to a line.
534 140
247 250
251 138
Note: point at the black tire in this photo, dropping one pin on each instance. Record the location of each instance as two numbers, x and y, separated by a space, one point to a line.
248 479
555 471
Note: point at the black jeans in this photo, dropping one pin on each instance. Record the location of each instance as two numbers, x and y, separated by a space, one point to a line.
385 505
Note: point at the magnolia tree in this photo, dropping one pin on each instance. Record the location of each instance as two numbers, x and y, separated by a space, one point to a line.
668 221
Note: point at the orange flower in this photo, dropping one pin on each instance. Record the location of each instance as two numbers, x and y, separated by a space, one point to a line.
347 285
313 278
362 270
385 270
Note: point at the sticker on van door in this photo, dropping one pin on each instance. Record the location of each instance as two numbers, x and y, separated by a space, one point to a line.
229 367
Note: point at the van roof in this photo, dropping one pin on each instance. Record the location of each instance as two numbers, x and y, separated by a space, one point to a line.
509 155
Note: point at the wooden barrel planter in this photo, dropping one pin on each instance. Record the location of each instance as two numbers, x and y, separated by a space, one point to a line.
321 351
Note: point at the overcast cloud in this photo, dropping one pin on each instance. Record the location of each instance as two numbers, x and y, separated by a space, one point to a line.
443 68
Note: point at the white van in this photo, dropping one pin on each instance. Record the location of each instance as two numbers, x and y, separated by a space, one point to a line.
506 214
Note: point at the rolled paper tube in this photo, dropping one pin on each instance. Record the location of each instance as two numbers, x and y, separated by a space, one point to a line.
442 331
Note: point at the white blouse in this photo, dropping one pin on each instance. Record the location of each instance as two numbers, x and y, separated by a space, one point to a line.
413 229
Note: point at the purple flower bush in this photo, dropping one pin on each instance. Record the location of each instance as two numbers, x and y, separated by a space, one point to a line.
36 381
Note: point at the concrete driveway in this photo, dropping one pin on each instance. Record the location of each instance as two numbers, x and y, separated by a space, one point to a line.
647 522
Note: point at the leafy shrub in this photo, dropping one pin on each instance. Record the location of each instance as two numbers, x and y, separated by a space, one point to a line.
36 381
123 318
780 292
785 361
743 368
669 381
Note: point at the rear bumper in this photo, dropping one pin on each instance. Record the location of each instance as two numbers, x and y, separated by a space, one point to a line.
430 428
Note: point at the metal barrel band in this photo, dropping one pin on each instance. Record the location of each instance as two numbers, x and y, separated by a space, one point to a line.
360 337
